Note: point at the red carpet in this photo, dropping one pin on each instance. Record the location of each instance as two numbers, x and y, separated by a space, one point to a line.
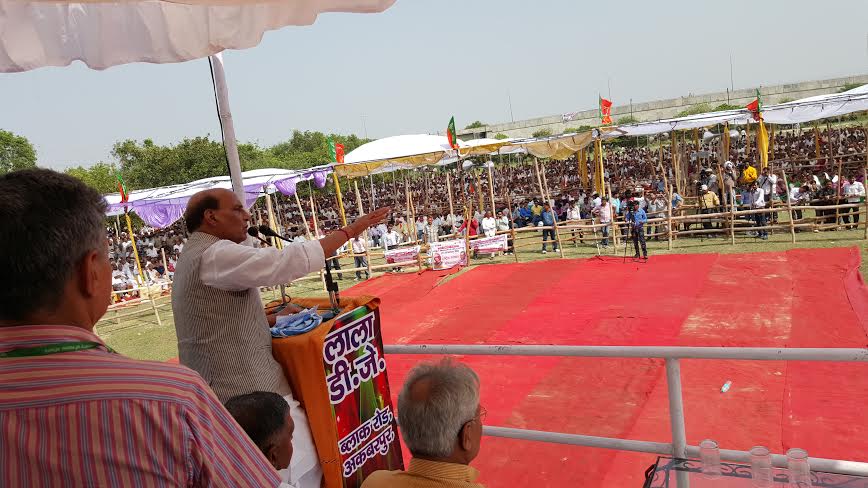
801 298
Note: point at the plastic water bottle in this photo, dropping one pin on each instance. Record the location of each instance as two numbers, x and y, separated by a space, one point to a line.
725 387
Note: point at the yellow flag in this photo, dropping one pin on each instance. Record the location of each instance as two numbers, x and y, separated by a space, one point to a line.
762 144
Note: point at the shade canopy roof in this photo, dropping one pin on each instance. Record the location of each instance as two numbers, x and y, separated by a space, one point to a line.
102 34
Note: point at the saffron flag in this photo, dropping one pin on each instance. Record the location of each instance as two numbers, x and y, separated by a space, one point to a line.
756 106
450 134
336 151
605 111
122 189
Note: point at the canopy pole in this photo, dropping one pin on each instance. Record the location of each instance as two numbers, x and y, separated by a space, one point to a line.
229 141
269 208
340 199
491 189
373 196
365 232
451 206
133 242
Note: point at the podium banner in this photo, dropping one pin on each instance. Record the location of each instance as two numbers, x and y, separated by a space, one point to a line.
446 254
401 255
490 245
338 373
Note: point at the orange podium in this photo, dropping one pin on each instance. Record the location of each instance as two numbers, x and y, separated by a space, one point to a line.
338 373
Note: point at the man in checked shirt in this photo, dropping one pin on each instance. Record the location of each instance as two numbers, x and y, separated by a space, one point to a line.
73 412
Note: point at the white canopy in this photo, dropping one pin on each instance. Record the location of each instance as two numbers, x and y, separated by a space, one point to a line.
798 111
397 152
102 34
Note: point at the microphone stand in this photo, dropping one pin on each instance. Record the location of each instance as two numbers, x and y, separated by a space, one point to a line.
331 286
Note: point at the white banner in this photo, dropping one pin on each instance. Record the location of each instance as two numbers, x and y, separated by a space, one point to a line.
401 255
490 245
446 254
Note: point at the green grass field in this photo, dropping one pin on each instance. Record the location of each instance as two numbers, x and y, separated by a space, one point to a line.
140 337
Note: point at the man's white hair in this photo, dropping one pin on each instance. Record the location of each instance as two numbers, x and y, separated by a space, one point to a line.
430 425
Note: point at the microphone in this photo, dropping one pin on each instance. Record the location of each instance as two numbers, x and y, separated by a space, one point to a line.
268 231
254 232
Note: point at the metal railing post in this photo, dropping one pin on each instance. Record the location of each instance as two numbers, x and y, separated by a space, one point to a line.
676 416
676 408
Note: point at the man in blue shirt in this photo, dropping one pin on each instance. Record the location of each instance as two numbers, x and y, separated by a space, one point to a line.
548 220
637 218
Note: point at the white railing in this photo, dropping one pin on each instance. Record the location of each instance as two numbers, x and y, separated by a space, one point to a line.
672 355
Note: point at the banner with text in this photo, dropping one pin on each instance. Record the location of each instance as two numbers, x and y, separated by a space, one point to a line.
490 245
358 389
446 254
401 255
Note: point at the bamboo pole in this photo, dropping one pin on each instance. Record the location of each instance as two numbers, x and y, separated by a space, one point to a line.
135 247
303 217
582 159
817 141
669 218
491 189
829 143
732 223
511 225
789 206
315 233
269 209
615 241
772 141
479 191
365 233
542 172
838 190
343 213
309 236
449 193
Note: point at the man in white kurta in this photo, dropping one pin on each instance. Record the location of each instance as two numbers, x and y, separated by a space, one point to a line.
221 326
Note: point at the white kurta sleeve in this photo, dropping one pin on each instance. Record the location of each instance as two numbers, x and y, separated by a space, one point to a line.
233 267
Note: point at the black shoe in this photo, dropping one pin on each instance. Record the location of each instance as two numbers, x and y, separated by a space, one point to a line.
635 256
646 257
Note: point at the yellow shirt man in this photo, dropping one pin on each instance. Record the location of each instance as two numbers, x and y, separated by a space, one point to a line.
708 200
425 474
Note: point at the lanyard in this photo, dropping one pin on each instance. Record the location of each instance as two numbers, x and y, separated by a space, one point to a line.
48 349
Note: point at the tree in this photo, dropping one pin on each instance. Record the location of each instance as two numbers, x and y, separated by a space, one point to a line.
16 152
726 106
627 119
848 87
101 176
501 136
542 133
475 125
700 108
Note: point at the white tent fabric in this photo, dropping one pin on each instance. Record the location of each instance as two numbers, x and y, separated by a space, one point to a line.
798 111
101 34
397 152
819 107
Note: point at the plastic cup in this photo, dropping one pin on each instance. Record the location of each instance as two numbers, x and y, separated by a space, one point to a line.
799 470
761 466
709 455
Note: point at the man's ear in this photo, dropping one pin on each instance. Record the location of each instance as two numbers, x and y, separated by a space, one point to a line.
270 452
465 438
88 274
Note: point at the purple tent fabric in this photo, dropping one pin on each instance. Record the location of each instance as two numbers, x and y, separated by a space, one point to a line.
319 179
287 186
163 213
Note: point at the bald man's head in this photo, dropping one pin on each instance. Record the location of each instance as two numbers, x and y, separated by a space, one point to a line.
217 212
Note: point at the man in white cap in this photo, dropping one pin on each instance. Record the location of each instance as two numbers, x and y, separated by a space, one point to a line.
708 203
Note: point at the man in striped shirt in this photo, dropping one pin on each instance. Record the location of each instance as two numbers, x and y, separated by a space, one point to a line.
73 412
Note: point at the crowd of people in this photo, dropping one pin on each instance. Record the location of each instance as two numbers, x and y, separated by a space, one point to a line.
633 173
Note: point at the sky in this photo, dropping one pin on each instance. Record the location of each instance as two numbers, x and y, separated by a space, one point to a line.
407 70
